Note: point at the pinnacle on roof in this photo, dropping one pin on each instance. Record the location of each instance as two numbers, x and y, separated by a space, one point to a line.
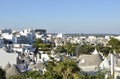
95 51
7 67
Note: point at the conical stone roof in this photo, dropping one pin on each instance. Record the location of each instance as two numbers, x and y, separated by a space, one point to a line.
105 64
95 52
7 67
38 66
4 48
90 60
31 65
13 70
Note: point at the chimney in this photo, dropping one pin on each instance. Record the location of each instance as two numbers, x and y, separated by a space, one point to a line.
38 57
112 64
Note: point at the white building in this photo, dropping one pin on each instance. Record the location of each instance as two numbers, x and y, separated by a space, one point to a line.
45 57
6 57
60 35
117 37
18 39
28 33
59 42
7 36
38 35
18 48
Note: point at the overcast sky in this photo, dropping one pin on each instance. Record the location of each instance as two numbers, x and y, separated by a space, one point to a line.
62 16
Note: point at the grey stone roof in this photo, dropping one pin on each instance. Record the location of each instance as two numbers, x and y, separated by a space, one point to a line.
105 64
39 66
90 60
7 67
13 70
4 48
118 63
31 65
27 60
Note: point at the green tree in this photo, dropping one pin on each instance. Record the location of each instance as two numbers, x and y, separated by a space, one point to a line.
106 50
70 48
99 46
53 75
84 49
68 69
40 45
36 45
78 50
100 75
50 74
34 75
38 41
2 74
60 49
114 43
44 47
22 76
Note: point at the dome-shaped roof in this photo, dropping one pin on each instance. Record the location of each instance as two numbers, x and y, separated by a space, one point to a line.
13 70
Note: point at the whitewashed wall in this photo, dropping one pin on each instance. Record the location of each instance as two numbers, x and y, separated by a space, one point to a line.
7 58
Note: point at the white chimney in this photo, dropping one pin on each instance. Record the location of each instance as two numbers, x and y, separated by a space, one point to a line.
38 56
112 64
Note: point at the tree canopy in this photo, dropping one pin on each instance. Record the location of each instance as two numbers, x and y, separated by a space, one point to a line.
114 43
40 45
70 48
68 69
2 74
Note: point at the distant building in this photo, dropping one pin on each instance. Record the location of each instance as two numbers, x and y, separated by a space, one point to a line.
41 31
60 35
1 42
21 40
7 36
7 31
